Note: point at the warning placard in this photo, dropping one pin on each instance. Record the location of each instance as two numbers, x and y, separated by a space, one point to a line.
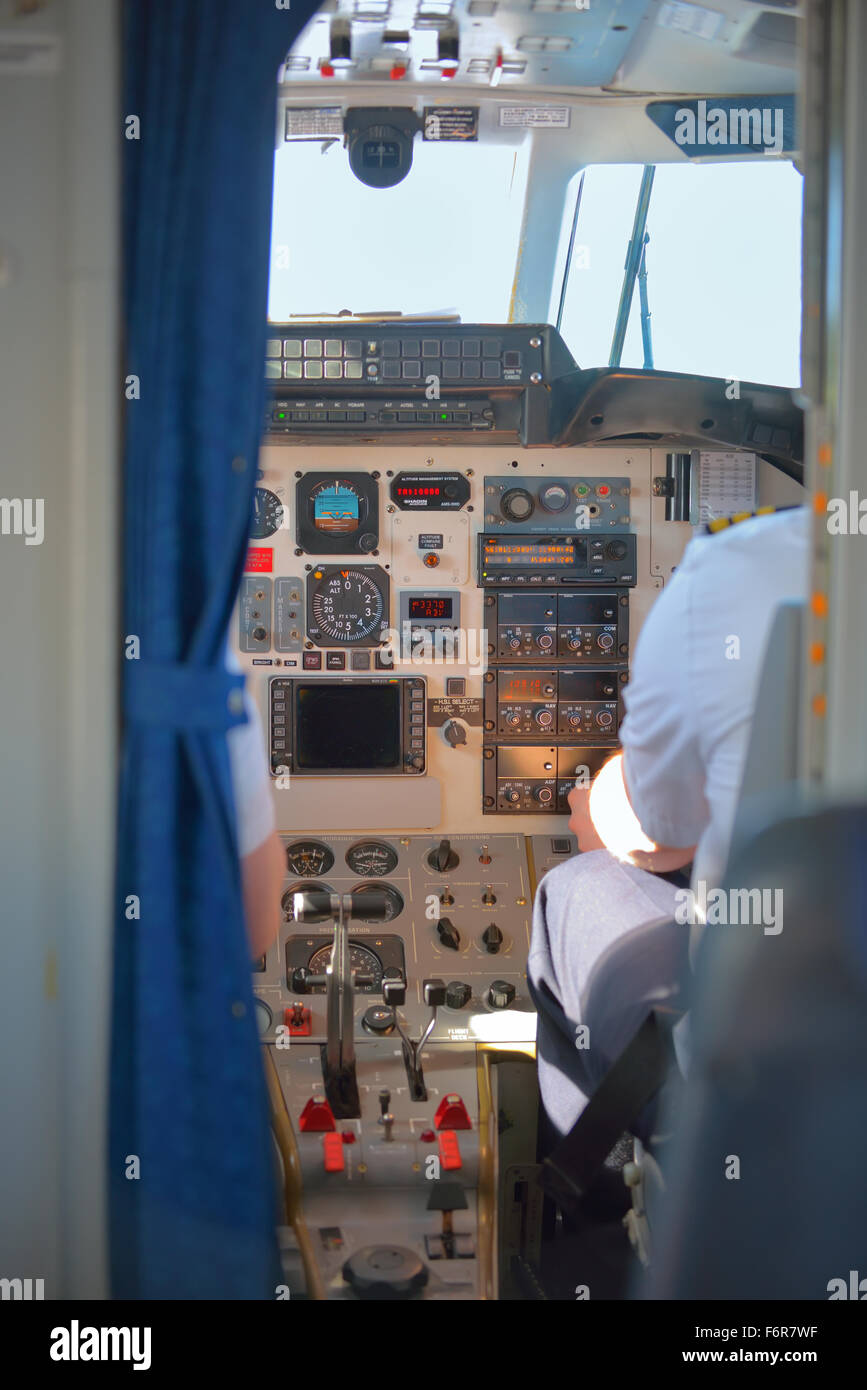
550 117
451 123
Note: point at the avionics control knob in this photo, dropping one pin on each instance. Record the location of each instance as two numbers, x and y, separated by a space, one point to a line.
448 934
516 504
544 795
458 994
443 857
544 718
616 550
501 994
545 641
385 1271
513 719
259 634
605 640
454 732
492 939
605 718
513 795
574 644
379 1018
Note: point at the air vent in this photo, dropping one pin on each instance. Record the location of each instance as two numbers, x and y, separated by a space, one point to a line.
479 66
513 67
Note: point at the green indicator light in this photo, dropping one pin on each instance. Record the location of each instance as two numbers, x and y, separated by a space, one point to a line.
444 417
281 414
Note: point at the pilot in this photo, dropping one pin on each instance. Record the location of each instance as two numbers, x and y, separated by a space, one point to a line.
668 799
263 861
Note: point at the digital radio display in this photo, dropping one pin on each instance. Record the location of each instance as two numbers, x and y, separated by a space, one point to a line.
527 554
430 608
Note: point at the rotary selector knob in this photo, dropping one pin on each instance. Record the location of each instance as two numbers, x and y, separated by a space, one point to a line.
545 641
492 939
378 1019
605 640
516 504
616 550
543 795
544 718
385 1272
448 934
458 994
501 994
443 857
455 732
604 719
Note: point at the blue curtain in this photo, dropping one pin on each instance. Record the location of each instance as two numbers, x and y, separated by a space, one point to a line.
192 1194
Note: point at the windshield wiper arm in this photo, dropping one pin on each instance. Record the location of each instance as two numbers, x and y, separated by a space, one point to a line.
634 261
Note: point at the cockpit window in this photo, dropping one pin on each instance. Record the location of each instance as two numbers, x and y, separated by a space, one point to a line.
444 238
723 269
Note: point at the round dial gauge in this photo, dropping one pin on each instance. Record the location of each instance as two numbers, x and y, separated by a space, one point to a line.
394 901
361 962
267 514
371 859
337 507
308 858
346 605
264 1017
301 887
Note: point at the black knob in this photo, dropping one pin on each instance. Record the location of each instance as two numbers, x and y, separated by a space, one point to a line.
616 550
454 732
517 504
259 634
448 933
501 994
379 1019
443 857
385 1272
543 795
492 938
457 994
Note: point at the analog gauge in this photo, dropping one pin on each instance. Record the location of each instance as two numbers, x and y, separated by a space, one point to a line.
371 859
267 514
308 858
362 962
394 901
347 605
337 507
263 1016
313 886
554 498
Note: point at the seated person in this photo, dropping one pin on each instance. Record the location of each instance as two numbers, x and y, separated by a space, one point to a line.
669 798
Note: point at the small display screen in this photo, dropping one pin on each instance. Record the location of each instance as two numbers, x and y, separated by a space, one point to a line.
521 687
430 608
526 554
401 490
342 726
335 508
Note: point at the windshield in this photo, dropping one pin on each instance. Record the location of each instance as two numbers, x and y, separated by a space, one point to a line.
444 238
723 269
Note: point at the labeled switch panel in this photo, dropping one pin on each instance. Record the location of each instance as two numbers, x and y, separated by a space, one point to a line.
573 627
254 614
288 614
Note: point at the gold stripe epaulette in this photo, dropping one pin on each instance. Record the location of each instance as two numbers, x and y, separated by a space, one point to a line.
722 523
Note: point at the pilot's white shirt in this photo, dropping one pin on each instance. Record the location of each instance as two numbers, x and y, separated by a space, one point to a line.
694 682
251 779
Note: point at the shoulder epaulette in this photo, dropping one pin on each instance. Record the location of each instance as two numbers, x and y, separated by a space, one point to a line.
722 523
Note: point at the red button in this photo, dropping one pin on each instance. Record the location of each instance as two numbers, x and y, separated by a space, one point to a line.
450 1153
427 1136
452 1114
316 1117
347 1136
332 1149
